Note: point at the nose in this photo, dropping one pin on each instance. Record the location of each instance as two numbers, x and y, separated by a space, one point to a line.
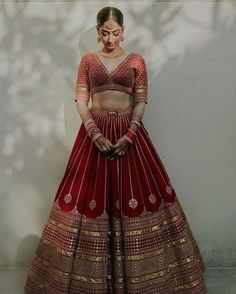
110 38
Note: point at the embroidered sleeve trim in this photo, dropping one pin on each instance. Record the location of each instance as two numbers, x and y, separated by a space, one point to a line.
140 94
82 92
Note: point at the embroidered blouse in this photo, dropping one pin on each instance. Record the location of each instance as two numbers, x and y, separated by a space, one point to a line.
130 76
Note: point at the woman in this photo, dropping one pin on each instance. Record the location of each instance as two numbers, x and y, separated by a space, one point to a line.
116 225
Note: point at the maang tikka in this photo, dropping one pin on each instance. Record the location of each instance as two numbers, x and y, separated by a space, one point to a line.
109 24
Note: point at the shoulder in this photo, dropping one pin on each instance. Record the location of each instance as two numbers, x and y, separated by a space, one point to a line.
138 60
138 56
87 57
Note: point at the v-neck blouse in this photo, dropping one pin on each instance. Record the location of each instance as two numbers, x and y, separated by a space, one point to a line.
111 64
129 75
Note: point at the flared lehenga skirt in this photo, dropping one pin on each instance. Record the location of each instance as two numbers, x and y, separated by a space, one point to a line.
116 226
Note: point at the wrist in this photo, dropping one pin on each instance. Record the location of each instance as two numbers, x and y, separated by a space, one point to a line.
134 125
92 130
130 136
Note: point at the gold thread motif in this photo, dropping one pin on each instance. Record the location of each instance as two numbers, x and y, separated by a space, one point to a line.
118 204
140 93
168 189
82 92
92 204
52 222
74 211
67 198
82 88
133 203
181 262
149 277
152 198
188 286
128 257
93 254
140 89
127 233
33 277
131 280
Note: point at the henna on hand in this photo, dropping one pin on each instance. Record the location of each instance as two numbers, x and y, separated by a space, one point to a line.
119 148
103 144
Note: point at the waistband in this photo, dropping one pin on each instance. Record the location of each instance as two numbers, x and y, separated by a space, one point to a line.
113 112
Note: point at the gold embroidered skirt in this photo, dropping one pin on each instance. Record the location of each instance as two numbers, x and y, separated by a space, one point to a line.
116 226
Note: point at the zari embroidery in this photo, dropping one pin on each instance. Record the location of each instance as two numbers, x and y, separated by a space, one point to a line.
152 198
133 203
118 204
67 198
82 81
140 94
92 204
168 189
129 76
82 92
152 256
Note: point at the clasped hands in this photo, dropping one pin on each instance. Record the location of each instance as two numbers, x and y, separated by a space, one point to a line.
105 146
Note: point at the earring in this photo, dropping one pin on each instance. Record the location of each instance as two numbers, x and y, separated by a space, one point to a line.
122 38
99 39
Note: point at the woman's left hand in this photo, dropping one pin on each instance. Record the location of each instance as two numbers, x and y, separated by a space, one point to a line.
119 148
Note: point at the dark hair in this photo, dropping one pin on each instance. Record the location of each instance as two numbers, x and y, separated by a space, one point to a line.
103 15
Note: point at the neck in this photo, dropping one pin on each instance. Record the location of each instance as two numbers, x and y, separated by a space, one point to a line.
115 52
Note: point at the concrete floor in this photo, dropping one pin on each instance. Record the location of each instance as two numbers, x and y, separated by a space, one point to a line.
219 281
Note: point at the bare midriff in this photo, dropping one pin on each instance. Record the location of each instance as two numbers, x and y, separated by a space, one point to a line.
111 99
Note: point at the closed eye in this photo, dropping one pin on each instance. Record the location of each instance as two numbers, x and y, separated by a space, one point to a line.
115 33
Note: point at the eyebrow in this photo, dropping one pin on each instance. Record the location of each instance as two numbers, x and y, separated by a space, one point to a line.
109 31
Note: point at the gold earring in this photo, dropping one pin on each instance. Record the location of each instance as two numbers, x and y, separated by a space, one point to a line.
99 39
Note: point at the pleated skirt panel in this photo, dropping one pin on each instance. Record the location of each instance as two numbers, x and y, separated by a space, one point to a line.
116 226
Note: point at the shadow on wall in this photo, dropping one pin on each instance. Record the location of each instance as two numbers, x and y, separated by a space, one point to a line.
39 121
26 249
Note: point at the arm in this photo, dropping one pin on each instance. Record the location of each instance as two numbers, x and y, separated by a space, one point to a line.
82 97
139 99
137 115
140 93
82 94
83 109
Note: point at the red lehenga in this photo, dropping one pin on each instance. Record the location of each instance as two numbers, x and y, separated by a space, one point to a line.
116 226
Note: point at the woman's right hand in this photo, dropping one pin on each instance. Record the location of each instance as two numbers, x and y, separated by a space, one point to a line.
103 144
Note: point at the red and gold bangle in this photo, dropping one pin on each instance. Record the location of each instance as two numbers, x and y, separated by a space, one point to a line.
90 126
92 129
130 136
93 132
96 136
89 121
128 139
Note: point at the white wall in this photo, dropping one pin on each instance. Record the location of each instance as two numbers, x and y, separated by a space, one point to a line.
189 49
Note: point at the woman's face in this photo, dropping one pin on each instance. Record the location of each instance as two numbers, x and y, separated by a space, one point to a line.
110 36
